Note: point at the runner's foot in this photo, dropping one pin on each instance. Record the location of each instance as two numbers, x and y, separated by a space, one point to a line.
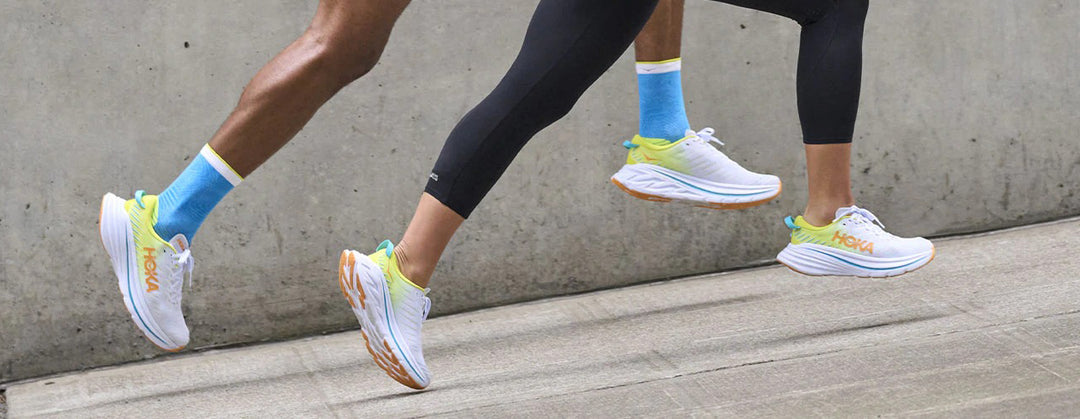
856 244
691 170
150 270
390 309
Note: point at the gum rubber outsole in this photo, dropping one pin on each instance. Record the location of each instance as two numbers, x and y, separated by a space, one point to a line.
101 236
350 281
933 254
708 205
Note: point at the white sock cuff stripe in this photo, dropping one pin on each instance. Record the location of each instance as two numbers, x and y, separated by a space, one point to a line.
220 165
659 67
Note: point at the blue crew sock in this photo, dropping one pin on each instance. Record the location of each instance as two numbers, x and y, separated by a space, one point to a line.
190 198
660 100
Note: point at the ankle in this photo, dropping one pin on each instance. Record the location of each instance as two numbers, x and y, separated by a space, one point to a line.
416 272
821 214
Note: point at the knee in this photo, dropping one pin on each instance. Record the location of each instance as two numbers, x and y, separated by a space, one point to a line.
558 107
813 11
546 109
856 9
544 103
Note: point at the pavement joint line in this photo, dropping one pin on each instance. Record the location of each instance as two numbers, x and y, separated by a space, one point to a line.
1016 356
658 379
1028 357
785 359
197 351
1019 356
763 264
1003 230
986 400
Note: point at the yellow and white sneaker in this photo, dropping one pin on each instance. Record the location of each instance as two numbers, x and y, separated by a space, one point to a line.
150 270
390 309
693 171
854 244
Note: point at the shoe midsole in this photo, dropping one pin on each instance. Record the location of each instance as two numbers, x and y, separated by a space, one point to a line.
848 260
644 178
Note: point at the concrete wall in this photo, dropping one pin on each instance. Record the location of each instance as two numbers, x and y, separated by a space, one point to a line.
968 122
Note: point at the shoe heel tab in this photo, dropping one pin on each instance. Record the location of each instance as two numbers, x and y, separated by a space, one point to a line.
139 194
388 246
629 145
789 221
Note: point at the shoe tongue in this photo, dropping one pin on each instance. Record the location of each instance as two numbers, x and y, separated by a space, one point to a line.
179 243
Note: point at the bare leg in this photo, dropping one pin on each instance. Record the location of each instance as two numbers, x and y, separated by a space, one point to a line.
431 228
343 43
828 173
661 38
828 86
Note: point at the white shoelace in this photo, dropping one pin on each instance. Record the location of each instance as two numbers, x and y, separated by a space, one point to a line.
707 135
184 270
412 322
862 217
415 312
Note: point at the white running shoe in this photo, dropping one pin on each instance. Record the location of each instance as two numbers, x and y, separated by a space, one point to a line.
855 243
150 270
391 311
691 170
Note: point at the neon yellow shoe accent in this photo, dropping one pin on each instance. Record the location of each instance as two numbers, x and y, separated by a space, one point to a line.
831 235
396 281
143 218
658 151
147 241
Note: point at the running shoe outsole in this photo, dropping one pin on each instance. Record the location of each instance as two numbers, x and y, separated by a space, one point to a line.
363 285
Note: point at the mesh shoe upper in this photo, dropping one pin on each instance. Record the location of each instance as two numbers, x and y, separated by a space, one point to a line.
162 268
411 307
695 156
857 230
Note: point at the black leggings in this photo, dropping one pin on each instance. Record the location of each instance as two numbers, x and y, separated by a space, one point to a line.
830 63
570 43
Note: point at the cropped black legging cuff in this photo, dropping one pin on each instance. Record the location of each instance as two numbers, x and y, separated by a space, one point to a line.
570 43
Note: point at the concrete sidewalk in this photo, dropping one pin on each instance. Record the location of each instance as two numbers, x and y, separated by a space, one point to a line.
991 328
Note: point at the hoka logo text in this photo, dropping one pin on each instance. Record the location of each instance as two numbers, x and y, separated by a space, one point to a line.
854 242
150 266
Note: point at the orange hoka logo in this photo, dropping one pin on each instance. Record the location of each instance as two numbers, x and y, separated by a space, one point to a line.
854 242
150 265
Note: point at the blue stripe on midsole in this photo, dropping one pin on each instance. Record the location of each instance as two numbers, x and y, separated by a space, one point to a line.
130 295
706 190
386 310
867 267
